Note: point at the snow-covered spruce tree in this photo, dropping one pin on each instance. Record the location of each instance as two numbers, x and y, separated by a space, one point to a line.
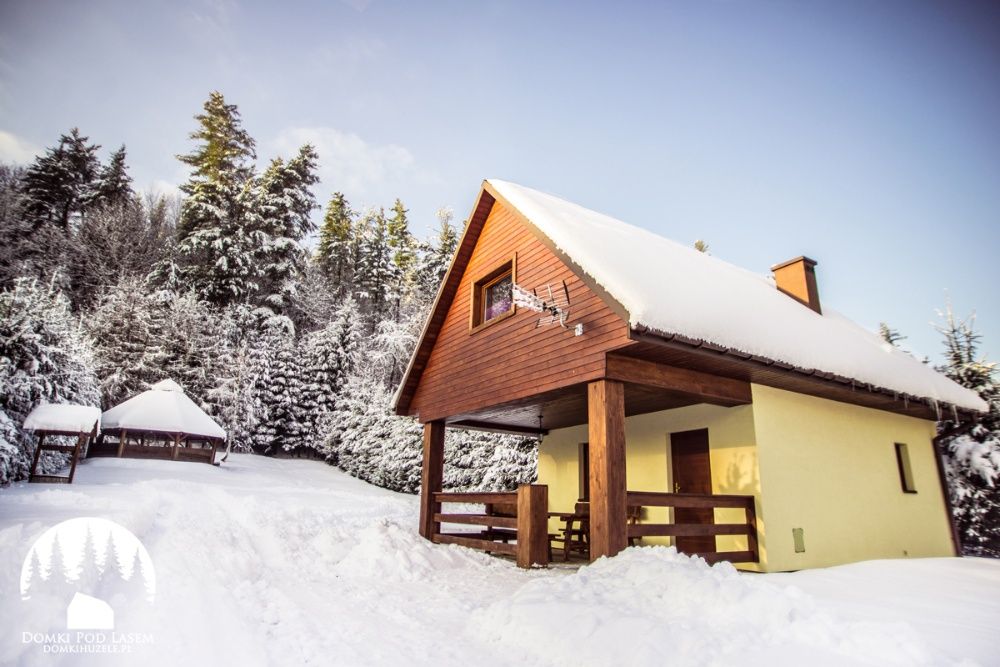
279 391
113 185
973 458
334 255
477 461
373 268
403 264
368 441
16 255
190 338
435 257
127 345
61 184
44 357
280 220
215 247
330 355
245 369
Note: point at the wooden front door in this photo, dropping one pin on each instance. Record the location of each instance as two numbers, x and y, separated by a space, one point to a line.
692 473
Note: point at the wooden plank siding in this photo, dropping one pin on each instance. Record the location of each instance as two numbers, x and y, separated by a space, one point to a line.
513 359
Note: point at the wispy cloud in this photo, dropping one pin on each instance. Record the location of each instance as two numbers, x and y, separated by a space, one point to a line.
16 150
350 164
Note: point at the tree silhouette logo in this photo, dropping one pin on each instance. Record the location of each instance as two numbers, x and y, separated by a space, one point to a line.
87 568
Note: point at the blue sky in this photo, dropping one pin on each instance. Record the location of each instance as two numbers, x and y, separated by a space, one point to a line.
864 135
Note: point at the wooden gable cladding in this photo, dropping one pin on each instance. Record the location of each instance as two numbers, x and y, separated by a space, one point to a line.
513 358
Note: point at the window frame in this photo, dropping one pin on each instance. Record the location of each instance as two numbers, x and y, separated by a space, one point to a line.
477 313
905 467
583 472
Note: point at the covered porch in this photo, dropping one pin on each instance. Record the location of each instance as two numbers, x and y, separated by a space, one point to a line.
613 509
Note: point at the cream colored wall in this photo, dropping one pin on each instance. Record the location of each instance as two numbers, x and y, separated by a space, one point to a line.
731 449
830 468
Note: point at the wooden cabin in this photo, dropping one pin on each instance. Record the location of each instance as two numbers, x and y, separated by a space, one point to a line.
679 399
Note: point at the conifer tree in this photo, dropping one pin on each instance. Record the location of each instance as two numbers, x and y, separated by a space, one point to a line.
403 251
125 328
973 458
334 251
330 355
374 267
61 184
437 255
890 335
214 244
279 393
44 356
283 204
113 186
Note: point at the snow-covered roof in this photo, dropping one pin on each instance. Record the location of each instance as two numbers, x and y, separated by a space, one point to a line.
164 407
673 289
63 417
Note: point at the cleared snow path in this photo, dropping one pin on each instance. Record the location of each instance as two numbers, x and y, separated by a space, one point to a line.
285 562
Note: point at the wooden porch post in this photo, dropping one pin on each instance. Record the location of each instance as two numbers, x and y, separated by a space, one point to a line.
431 477
532 525
606 412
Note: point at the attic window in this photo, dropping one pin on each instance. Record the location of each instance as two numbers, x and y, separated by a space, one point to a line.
492 296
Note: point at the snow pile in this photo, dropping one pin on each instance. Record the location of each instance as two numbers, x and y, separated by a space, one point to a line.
674 289
652 606
163 407
63 417
389 550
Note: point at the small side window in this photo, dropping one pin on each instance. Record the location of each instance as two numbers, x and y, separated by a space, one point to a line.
905 471
584 464
493 296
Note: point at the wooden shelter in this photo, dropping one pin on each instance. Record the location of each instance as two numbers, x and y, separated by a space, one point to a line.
48 421
160 423
720 391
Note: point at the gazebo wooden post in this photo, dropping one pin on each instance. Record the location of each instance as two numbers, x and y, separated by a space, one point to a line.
177 446
606 417
83 437
122 439
431 478
38 454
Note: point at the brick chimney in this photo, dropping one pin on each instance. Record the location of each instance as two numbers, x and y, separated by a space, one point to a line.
797 279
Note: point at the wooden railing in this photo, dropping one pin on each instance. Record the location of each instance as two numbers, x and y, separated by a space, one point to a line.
699 501
520 516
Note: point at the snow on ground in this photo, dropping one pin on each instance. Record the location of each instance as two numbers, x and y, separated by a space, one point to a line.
275 562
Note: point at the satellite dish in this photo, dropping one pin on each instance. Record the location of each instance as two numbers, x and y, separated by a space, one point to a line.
553 303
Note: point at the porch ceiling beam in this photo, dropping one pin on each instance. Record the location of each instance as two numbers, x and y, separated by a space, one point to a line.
474 425
710 388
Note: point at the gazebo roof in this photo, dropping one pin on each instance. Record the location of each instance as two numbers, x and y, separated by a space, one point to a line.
163 408
63 418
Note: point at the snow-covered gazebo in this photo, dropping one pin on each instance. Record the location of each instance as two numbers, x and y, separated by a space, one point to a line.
61 419
161 422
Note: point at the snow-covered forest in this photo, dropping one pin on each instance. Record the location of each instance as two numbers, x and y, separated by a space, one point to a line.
293 344
292 335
